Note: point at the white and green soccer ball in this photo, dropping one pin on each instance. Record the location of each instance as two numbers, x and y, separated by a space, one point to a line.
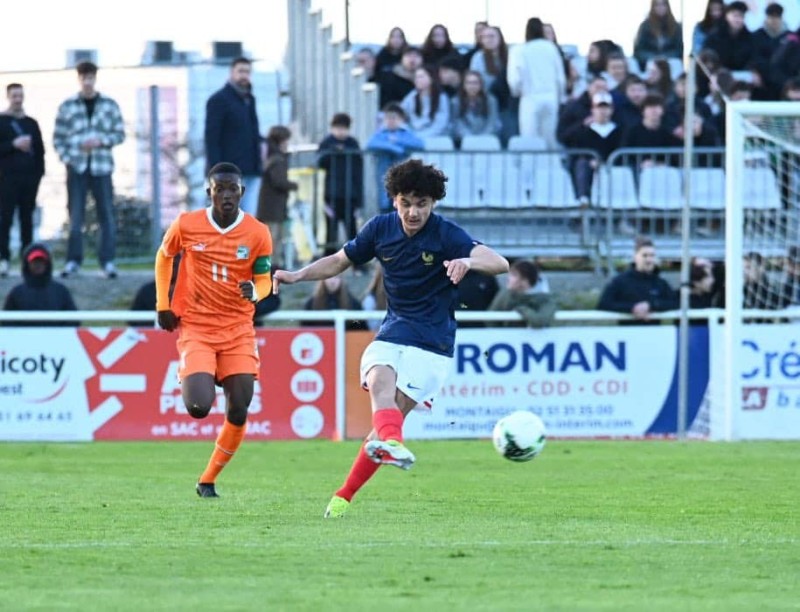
519 436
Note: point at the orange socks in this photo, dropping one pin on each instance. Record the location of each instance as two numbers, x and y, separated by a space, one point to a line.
228 440
388 424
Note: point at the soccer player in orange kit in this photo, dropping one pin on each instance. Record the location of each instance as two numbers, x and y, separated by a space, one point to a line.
224 271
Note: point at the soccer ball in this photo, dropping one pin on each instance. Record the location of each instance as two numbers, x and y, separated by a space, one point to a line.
519 436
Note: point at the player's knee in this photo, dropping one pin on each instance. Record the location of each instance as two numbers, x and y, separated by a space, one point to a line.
237 415
197 410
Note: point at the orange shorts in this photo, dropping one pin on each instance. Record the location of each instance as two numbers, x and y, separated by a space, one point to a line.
232 351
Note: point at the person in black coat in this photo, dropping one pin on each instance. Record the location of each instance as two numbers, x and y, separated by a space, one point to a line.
600 135
39 291
340 157
21 171
732 41
640 290
232 133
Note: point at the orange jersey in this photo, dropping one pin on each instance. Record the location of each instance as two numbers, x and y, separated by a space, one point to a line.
215 260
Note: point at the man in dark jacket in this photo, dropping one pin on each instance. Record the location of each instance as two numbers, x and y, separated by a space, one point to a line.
39 291
232 133
21 171
640 290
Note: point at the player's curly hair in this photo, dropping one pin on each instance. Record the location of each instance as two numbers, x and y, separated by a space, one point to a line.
224 168
414 177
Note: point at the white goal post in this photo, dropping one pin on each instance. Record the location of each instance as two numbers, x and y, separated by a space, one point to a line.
761 223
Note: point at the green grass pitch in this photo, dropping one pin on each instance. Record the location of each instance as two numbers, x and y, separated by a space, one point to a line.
606 525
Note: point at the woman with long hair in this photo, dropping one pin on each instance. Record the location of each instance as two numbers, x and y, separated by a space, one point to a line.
715 11
437 45
658 35
491 59
474 111
426 106
392 52
659 78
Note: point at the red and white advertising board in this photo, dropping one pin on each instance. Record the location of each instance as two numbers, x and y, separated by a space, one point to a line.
121 384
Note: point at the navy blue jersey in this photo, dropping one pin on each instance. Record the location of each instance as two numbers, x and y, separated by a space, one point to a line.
421 299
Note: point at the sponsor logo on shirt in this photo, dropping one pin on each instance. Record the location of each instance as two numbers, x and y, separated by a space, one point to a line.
200 246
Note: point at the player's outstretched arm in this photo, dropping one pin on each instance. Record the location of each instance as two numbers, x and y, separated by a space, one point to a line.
481 259
325 267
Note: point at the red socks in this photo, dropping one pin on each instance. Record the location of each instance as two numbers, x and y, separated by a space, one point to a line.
388 424
362 470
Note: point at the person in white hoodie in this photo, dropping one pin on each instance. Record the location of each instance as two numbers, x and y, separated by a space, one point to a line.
536 76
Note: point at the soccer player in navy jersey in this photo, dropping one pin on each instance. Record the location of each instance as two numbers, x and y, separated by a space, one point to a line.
424 257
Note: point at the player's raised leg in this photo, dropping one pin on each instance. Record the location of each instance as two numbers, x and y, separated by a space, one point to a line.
387 419
238 394
364 466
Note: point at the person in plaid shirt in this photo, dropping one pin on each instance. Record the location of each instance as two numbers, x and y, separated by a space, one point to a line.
88 125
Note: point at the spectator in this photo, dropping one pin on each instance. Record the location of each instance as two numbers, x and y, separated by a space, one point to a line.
393 142
650 133
732 41
375 297
616 72
232 133
628 106
88 126
705 135
340 157
392 52
715 9
537 309
474 111
450 76
491 62
426 106
659 79
579 111
759 292
673 112
707 67
639 290
785 62
334 294
275 188
21 171
437 45
365 59
480 27
395 83
766 41
476 292
600 135
38 291
739 90
701 278
659 35
491 59
536 76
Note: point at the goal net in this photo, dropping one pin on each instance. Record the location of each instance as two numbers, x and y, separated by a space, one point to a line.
762 262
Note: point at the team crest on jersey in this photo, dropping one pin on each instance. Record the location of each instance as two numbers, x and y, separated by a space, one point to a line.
242 253
427 258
